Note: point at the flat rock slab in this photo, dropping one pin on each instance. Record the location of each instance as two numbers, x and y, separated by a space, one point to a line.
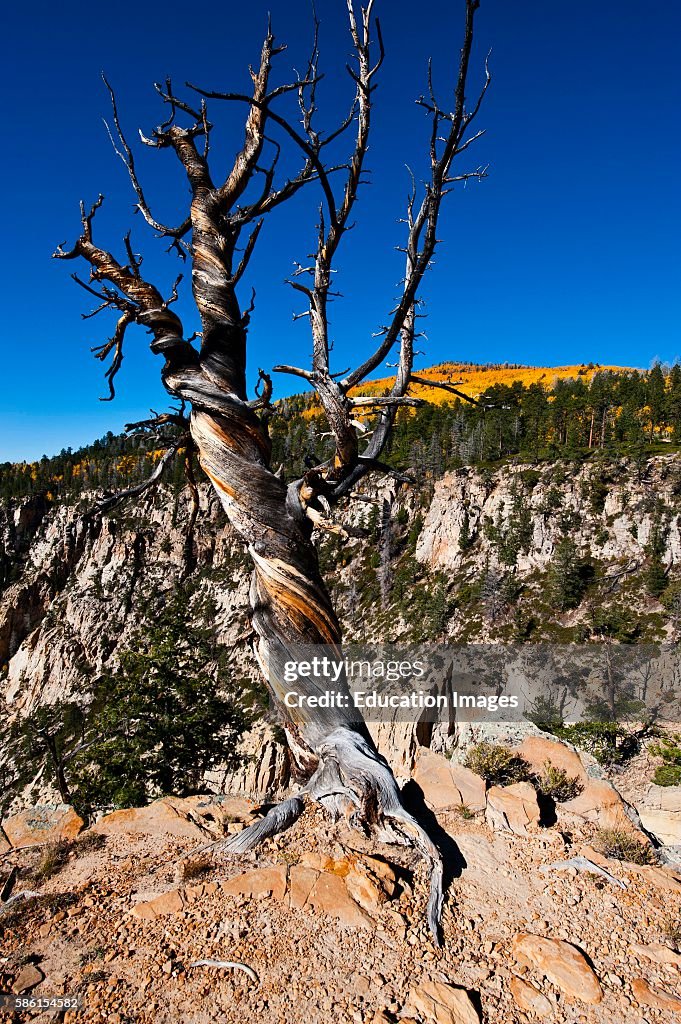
349 889
562 963
44 823
660 812
655 997
657 952
512 808
174 901
259 882
447 785
436 1002
161 818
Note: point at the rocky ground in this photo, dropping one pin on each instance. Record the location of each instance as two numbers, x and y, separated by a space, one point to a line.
324 924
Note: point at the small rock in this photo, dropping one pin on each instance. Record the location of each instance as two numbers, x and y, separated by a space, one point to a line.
28 978
529 998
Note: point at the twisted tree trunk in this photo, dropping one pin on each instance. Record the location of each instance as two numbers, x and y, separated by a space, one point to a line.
290 605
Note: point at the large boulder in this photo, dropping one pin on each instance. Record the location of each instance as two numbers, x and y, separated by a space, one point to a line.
601 804
562 963
44 823
447 785
537 750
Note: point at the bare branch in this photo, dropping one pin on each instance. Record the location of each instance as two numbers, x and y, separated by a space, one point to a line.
296 371
263 390
248 252
388 400
115 343
307 149
422 237
129 161
108 503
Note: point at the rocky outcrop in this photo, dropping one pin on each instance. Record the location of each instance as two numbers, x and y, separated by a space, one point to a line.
44 823
600 803
348 889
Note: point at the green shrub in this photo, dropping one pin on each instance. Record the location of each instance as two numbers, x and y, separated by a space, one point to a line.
669 749
621 845
667 775
608 742
496 764
555 783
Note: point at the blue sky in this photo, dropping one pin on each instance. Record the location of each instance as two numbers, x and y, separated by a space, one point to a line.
570 251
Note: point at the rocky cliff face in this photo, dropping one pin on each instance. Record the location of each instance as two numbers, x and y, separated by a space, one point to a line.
610 510
74 593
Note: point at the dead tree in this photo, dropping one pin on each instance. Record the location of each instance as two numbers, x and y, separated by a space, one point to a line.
275 519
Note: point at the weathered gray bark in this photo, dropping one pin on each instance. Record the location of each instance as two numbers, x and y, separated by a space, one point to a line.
290 604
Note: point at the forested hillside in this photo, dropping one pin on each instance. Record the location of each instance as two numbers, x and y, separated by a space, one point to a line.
537 416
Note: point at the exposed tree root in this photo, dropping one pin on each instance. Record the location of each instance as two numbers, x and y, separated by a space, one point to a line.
235 965
355 782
